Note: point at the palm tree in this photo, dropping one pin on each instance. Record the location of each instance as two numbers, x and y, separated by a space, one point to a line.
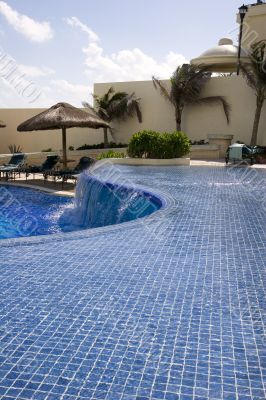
187 83
115 105
255 75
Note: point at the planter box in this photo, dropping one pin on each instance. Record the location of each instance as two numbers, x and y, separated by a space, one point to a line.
205 152
222 141
150 161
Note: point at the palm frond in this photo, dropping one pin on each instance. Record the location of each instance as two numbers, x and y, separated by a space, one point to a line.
106 96
164 91
249 75
133 106
97 100
194 75
211 100
258 50
118 96
100 112
187 83
89 106
138 111
103 113
255 72
124 105
115 105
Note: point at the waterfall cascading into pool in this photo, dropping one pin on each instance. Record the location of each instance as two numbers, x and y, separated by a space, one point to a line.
28 212
100 203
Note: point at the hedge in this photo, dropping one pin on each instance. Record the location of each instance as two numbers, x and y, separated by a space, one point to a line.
151 144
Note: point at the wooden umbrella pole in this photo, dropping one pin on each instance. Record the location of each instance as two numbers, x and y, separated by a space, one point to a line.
64 148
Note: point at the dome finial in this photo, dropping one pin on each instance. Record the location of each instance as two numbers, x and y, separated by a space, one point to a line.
225 41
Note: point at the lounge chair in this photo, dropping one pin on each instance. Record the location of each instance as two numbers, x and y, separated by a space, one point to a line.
83 164
46 167
239 152
12 168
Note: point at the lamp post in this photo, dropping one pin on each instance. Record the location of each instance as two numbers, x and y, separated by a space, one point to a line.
242 12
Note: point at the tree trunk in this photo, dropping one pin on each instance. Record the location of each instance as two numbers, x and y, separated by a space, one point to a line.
105 131
255 129
64 148
178 118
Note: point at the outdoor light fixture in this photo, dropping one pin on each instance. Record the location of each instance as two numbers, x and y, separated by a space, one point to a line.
242 12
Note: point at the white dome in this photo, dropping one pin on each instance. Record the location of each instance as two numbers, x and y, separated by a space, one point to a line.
223 56
225 48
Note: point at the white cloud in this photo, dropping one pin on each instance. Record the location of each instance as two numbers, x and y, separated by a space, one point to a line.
62 91
74 21
31 29
35 72
53 92
71 93
125 65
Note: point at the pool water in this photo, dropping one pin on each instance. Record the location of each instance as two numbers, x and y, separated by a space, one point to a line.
28 212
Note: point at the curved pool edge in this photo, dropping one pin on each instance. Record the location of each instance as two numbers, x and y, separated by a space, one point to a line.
142 162
166 200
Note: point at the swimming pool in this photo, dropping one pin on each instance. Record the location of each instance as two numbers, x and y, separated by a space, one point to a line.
28 212
167 307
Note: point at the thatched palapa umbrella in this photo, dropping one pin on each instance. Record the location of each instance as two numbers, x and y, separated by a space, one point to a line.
2 124
62 116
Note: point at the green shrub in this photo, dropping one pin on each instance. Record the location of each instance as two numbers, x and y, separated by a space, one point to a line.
47 150
150 144
174 145
144 144
111 145
110 154
200 142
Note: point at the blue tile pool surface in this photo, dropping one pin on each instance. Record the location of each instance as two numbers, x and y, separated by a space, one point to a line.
170 307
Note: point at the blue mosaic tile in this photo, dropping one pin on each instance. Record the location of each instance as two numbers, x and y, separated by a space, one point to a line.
169 307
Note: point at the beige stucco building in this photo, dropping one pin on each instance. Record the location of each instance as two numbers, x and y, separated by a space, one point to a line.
198 121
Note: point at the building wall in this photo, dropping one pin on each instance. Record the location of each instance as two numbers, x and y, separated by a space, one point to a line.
202 120
253 25
40 140
158 114
198 121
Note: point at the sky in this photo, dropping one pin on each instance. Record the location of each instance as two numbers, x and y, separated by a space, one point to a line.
55 50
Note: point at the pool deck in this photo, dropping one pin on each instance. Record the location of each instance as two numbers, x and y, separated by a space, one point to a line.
68 188
168 307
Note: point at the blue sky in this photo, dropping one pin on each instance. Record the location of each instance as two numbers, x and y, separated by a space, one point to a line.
55 50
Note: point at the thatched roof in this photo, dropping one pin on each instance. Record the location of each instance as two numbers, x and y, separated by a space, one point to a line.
62 115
